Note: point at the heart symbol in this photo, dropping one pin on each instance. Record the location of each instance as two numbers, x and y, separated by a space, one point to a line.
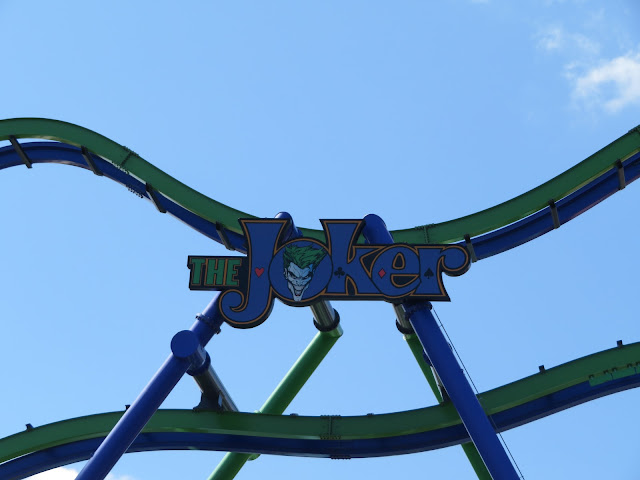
259 271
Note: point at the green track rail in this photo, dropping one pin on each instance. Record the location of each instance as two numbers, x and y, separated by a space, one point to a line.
209 209
597 368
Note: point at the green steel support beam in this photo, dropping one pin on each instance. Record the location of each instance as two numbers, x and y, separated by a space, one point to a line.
476 462
416 349
469 448
283 395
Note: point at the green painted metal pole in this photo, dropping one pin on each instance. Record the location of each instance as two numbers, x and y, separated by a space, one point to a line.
300 372
283 395
476 461
416 349
469 448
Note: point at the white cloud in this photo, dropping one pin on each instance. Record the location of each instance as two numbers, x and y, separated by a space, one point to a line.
70 474
585 44
612 85
551 3
556 38
551 38
119 477
56 474
111 476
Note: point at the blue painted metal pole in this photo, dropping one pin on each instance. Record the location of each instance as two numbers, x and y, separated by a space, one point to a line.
445 364
186 349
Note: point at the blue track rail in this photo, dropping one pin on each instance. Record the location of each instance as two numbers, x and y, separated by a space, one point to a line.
566 209
481 247
61 153
65 454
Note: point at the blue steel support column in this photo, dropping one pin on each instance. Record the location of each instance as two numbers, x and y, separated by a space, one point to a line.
136 417
444 362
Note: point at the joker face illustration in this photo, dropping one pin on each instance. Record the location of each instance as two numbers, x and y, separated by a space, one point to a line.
299 266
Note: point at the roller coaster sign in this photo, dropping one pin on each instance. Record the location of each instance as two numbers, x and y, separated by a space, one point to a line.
303 270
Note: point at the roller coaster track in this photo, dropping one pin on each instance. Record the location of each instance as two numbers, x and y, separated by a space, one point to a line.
511 223
484 234
509 406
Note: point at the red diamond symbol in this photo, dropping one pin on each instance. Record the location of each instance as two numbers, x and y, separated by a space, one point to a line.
382 273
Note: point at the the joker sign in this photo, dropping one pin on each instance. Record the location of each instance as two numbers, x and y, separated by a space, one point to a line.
299 265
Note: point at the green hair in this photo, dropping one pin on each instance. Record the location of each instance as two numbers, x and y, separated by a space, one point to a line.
303 256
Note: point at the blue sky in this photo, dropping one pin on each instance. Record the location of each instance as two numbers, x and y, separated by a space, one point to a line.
416 111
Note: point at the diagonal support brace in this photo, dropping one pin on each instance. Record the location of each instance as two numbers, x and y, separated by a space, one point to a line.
20 151
150 399
86 154
446 366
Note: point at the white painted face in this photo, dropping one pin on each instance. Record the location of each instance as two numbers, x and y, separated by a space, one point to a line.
298 280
